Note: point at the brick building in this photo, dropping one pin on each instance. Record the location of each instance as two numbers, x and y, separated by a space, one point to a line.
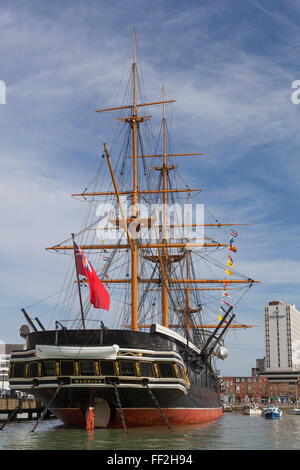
259 389
276 377
244 389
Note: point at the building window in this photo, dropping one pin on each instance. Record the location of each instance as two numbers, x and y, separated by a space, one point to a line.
147 369
19 369
49 368
107 368
127 368
33 369
67 368
165 369
87 368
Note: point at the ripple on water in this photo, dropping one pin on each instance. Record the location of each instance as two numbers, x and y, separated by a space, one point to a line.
231 431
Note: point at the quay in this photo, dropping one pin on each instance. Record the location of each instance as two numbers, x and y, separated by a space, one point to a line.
240 407
21 409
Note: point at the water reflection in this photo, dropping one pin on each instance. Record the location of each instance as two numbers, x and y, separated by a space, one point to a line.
232 431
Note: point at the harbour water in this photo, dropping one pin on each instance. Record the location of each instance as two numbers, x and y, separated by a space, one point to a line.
233 431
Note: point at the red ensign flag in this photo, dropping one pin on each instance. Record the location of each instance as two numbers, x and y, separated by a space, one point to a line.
99 296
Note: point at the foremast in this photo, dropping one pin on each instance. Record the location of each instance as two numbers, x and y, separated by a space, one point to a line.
134 254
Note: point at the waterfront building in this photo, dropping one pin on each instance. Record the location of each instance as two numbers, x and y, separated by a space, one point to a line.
276 377
282 343
239 390
282 337
260 367
259 389
5 353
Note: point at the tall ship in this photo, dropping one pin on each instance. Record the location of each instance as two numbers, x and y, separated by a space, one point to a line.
138 325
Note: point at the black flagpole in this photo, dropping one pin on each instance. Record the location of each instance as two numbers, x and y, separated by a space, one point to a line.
78 283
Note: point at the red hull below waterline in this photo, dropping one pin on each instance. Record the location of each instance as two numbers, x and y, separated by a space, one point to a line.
135 417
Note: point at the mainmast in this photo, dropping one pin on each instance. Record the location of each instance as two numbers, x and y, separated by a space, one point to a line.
134 254
164 267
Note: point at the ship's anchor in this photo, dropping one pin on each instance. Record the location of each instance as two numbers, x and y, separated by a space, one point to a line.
114 383
145 383
45 409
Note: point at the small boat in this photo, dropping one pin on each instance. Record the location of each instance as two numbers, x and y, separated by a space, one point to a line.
227 407
294 411
252 410
272 412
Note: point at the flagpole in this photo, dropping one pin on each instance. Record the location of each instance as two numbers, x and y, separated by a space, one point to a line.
78 284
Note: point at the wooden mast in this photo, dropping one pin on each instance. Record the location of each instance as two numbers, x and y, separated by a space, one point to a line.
141 245
165 299
235 327
134 254
181 281
187 301
118 197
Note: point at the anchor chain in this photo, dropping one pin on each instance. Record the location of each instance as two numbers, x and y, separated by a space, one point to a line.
145 383
17 408
46 408
12 414
119 406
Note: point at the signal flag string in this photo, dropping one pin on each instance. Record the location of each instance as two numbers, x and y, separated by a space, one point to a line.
230 264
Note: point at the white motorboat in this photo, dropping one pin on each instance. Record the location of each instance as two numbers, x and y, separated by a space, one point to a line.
294 411
251 410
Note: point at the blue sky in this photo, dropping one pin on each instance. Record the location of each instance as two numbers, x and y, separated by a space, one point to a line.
229 65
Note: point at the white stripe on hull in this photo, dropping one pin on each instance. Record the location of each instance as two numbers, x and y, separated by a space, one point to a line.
97 385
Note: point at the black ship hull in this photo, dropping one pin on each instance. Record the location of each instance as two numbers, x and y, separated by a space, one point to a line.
141 379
